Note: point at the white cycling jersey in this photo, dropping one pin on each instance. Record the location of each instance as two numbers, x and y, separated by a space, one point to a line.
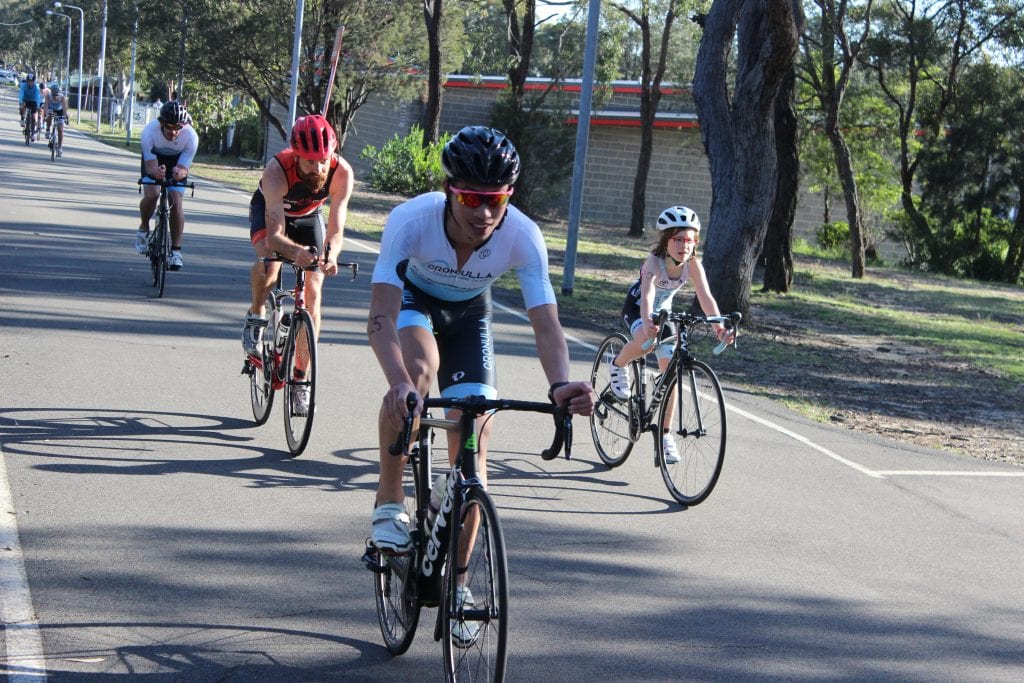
154 144
414 232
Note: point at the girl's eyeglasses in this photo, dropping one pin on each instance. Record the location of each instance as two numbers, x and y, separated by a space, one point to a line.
473 199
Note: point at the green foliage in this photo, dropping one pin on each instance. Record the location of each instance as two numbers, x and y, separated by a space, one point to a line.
833 235
404 166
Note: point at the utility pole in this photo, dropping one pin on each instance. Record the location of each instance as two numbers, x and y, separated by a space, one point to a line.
582 139
103 57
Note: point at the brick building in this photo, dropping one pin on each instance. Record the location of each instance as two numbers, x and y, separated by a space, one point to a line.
679 171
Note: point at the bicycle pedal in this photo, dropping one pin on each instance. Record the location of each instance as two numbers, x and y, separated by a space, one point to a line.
370 559
247 367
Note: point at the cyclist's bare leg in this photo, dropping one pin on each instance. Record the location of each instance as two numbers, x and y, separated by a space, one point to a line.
633 349
262 278
670 397
60 132
467 539
419 350
177 218
150 195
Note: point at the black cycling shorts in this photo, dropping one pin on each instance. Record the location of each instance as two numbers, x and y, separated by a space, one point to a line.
465 345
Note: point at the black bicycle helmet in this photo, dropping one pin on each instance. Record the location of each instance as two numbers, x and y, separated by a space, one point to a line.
174 114
482 156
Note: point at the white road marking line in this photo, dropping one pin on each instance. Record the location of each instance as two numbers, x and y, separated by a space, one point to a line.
947 473
25 660
875 474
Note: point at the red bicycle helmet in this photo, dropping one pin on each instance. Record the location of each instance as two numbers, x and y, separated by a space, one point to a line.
313 137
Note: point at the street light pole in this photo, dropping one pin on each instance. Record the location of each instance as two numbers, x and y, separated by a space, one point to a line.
103 58
81 50
67 54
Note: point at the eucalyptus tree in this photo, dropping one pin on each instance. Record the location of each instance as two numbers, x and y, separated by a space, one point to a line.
918 55
246 47
830 58
736 110
970 178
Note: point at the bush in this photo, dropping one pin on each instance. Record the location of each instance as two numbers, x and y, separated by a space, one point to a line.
404 166
834 235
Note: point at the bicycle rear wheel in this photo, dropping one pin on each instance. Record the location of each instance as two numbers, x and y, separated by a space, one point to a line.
698 428
261 380
298 422
612 423
474 608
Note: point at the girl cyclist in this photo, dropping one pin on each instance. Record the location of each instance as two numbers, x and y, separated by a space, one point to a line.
666 269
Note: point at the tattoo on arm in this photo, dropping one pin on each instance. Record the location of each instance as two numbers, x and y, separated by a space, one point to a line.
374 325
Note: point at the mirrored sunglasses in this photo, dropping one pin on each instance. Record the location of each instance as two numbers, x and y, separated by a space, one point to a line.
473 199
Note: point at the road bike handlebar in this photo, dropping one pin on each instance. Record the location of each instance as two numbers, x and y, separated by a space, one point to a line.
166 182
729 322
353 266
478 405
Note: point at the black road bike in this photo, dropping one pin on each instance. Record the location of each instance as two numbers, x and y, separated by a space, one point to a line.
698 424
54 137
288 341
472 594
159 249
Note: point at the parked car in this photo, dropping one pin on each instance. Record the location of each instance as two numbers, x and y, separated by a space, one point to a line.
9 78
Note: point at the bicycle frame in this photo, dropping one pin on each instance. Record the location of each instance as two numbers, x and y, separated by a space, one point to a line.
298 294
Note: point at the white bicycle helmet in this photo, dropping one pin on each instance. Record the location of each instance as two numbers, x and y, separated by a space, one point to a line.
678 218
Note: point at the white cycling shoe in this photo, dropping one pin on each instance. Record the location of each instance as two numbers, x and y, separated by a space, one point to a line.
390 528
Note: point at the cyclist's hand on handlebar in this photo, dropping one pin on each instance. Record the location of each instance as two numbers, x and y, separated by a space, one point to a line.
394 405
303 256
579 397
329 266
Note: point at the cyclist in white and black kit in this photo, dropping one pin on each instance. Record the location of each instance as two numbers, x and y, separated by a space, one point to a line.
430 306
168 147
56 108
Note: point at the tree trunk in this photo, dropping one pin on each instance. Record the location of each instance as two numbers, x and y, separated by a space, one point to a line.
844 164
778 243
739 134
648 107
432 11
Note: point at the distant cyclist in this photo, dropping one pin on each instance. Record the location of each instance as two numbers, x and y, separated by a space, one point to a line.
168 147
56 108
285 218
30 98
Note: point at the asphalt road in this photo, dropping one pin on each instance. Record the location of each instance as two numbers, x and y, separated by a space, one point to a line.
165 537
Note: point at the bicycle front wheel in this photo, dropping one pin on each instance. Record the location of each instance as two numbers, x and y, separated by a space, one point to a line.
158 255
300 383
474 608
698 430
612 425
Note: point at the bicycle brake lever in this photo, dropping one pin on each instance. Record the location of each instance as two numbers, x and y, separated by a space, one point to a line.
398 447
